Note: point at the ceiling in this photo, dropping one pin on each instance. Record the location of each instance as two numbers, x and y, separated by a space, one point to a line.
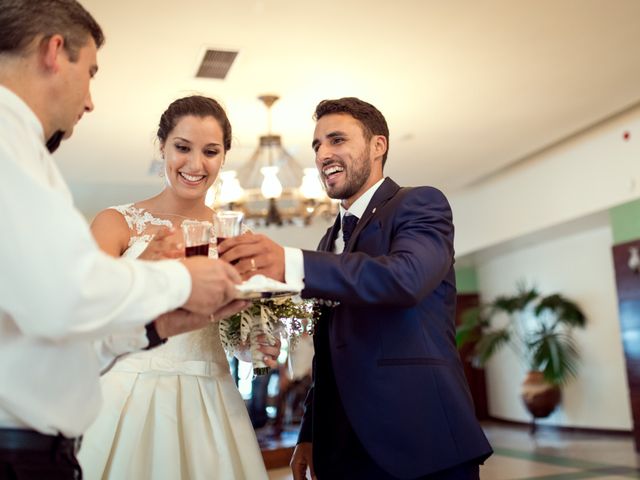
467 87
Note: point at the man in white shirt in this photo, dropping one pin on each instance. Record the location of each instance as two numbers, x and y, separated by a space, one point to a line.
59 293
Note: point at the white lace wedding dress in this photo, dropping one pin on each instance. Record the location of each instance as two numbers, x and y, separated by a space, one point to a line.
173 412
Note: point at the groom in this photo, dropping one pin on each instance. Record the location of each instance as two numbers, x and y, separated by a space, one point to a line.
389 398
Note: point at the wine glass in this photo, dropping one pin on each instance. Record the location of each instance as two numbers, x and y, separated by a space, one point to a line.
228 223
197 236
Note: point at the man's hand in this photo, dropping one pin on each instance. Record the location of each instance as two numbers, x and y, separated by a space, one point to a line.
229 309
182 321
166 243
301 460
179 321
254 254
212 285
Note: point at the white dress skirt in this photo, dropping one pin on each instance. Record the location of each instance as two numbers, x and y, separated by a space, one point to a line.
173 412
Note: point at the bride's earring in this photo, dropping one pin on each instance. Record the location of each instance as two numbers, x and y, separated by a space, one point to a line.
212 193
214 189
163 164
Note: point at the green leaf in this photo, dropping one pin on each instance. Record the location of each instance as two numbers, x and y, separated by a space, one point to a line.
564 310
516 302
467 333
489 344
556 355
468 330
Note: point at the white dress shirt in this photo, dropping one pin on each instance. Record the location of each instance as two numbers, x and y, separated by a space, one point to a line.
58 292
293 259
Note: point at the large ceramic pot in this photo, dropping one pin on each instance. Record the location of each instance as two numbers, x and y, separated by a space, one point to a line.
540 397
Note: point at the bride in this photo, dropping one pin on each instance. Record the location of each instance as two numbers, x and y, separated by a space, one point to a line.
173 412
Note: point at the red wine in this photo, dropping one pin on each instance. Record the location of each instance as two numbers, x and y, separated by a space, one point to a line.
197 250
219 240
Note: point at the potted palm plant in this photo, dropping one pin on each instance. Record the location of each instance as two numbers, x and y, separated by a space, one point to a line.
538 328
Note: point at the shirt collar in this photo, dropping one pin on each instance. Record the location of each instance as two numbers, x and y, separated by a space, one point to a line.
360 205
20 108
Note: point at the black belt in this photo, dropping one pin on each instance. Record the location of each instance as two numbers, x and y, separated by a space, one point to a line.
15 440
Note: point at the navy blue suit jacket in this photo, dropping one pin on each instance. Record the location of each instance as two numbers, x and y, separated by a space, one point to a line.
392 337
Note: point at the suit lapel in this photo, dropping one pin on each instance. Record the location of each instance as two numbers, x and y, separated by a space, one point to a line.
326 244
385 192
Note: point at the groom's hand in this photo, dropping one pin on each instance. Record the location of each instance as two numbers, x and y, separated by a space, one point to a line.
301 460
252 254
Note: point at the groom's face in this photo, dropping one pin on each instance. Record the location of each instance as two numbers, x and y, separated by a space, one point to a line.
343 157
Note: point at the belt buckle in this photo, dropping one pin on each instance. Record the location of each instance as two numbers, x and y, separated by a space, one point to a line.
67 446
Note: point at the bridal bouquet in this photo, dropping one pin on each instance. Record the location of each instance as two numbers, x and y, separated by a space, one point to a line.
288 317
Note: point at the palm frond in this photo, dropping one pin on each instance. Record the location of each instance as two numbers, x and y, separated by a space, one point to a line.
467 333
470 328
517 302
556 355
565 311
490 343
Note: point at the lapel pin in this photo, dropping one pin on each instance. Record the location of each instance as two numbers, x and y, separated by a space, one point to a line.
374 210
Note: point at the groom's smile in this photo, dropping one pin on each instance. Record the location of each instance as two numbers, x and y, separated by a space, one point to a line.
332 174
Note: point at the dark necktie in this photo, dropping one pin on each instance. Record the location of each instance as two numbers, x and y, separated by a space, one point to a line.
348 225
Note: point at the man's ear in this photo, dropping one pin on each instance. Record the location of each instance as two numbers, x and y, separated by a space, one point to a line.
379 146
51 50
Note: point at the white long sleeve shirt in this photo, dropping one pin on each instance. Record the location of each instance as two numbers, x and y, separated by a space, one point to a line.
58 292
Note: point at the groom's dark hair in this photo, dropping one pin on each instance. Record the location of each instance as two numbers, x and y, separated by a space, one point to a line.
372 121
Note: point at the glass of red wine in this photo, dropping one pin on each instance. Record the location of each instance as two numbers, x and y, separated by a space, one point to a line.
197 236
228 223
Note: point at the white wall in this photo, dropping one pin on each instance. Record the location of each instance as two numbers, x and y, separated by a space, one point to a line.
590 172
578 265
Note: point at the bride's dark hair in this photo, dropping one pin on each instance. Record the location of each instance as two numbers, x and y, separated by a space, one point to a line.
198 106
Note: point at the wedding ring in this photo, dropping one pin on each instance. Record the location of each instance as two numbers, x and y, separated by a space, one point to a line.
253 264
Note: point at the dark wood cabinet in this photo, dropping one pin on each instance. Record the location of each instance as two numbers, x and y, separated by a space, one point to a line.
628 285
475 376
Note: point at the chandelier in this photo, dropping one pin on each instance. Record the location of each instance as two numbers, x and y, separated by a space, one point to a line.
271 188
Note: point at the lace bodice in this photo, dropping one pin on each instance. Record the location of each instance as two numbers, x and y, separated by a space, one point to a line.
202 344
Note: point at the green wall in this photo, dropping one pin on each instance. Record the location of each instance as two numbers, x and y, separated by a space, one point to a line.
466 280
625 222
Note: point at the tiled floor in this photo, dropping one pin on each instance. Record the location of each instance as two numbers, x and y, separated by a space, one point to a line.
549 455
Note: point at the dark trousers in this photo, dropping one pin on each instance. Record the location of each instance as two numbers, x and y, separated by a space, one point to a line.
258 401
28 455
337 451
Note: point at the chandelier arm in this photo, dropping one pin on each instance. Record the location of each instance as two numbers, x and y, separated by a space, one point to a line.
294 200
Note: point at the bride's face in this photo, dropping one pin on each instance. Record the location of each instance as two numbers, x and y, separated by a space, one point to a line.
193 154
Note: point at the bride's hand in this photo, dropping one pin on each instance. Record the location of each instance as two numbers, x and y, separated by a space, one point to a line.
164 244
271 352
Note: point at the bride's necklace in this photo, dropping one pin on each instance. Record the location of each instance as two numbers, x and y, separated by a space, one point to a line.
165 214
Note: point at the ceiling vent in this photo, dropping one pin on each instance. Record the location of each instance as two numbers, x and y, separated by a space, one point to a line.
216 64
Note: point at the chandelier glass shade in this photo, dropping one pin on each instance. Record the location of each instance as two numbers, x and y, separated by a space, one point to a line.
271 187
